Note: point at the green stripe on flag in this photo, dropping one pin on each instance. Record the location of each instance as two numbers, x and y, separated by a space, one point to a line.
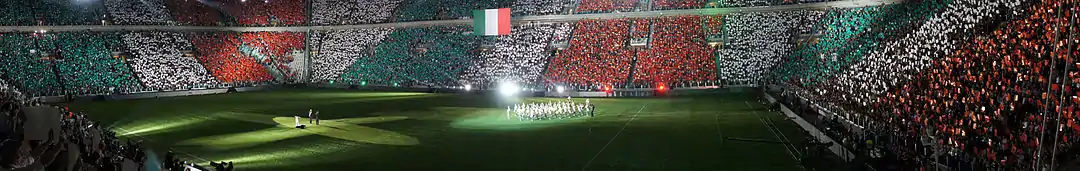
478 22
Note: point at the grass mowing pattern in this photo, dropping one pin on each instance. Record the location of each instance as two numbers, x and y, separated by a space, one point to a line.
455 131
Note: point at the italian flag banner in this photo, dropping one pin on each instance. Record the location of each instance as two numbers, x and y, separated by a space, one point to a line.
490 22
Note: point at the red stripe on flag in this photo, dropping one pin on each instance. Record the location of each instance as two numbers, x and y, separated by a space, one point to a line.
504 21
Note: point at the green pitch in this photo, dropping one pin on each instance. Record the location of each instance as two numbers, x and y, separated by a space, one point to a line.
417 131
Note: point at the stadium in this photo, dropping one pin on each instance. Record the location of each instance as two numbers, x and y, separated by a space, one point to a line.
731 85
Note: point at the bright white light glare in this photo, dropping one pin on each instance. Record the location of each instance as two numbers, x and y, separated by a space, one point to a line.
468 87
508 89
560 89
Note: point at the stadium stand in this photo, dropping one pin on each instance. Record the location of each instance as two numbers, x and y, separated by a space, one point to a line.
992 96
86 64
279 51
160 62
337 50
600 6
417 11
677 4
446 9
755 42
26 67
66 12
17 13
864 81
676 54
189 12
73 141
267 12
597 55
845 36
519 57
220 54
428 56
128 12
539 7
332 12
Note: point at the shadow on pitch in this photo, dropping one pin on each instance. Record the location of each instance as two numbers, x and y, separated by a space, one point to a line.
348 129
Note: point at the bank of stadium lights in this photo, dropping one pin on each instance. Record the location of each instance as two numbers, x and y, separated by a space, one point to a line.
560 89
468 87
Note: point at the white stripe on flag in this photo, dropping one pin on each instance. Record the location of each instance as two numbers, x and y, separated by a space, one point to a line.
491 22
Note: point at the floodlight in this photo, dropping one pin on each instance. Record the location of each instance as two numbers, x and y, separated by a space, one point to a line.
560 89
468 87
508 89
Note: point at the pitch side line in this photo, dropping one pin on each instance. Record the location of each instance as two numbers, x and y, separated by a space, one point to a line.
613 138
787 146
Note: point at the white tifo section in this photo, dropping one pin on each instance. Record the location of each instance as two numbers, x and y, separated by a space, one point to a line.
491 22
916 51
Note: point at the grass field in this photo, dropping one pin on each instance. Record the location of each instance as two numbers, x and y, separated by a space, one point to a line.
416 131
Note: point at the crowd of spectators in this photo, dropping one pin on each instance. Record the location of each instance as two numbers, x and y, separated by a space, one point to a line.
220 54
39 137
419 56
417 10
85 63
266 12
539 7
844 36
67 12
983 82
446 9
278 51
755 43
194 12
677 4
25 66
17 13
998 98
597 55
895 62
601 6
713 26
519 57
160 61
335 12
128 12
339 49
676 53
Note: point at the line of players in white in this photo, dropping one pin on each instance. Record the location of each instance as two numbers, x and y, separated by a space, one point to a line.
550 110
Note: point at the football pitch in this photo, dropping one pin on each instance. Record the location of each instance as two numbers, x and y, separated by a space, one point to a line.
420 131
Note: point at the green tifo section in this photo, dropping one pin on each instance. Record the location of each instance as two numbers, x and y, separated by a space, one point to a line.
416 56
848 35
414 131
79 63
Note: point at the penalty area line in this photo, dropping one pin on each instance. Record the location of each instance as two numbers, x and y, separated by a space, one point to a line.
613 137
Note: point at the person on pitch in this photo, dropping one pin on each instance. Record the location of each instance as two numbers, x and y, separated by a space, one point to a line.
297 121
309 114
316 117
